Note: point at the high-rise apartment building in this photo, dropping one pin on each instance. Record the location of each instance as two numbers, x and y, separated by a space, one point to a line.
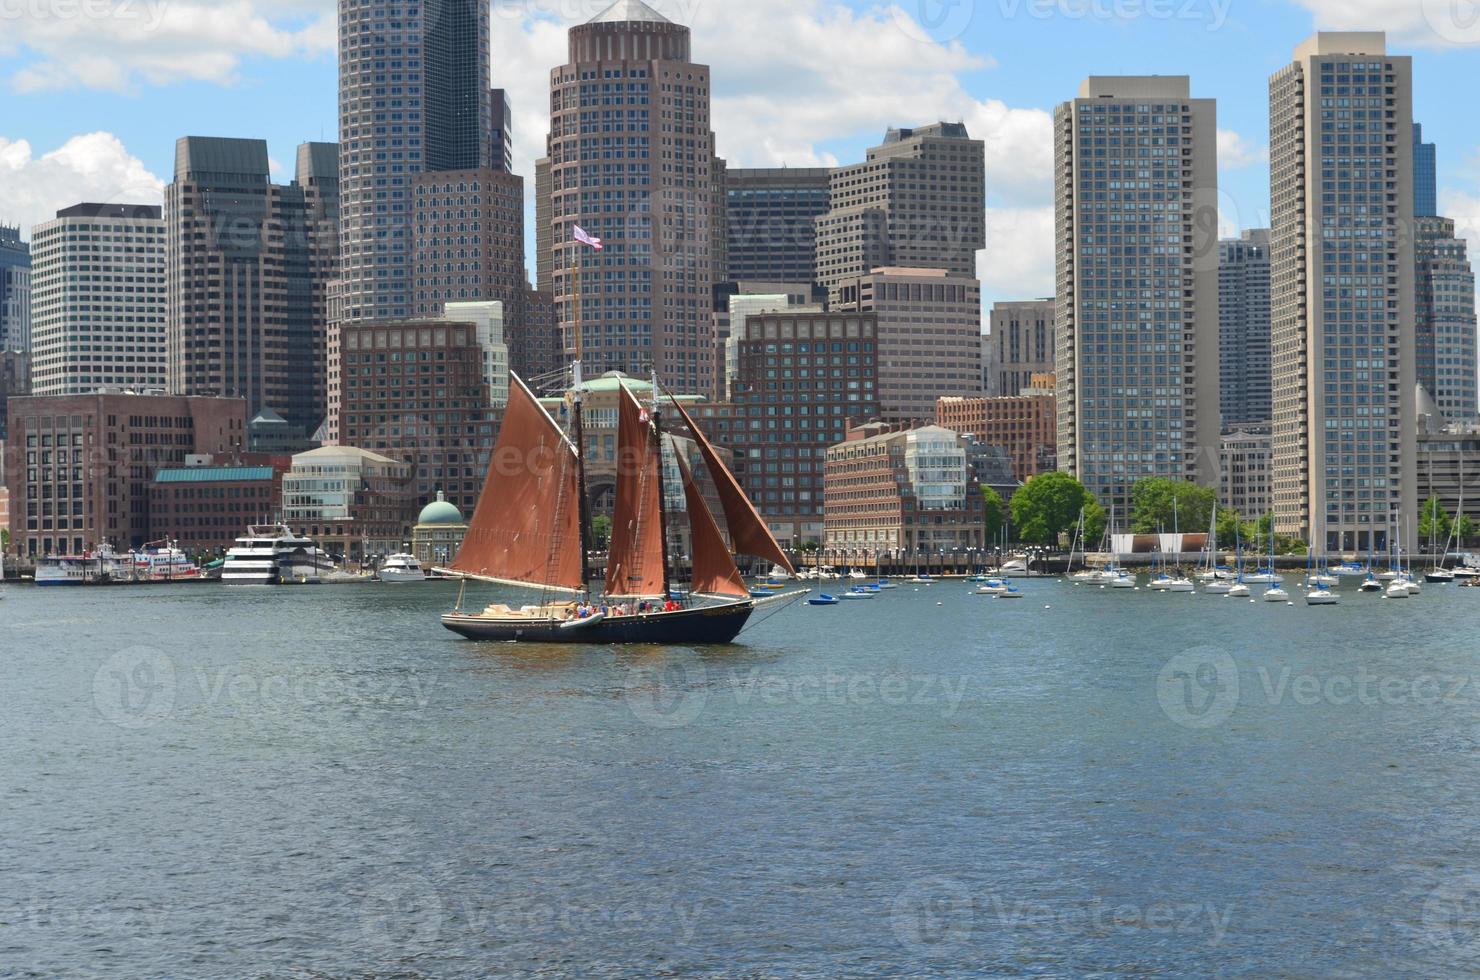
1137 334
15 290
15 382
631 160
1019 346
501 156
1342 299
917 201
1243 329
1444 343
1425 176
249 265
930 327
772 222
98 299
413 96
468 240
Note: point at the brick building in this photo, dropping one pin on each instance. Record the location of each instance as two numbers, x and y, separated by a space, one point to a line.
80 467
1023 426
206 508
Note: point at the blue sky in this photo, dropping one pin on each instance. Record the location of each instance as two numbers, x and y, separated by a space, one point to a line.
796 81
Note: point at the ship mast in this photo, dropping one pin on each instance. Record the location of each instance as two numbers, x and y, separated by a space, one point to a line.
662 495
580 431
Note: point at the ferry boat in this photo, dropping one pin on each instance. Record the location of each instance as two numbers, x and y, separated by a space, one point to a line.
101 567
532 530
400 569
274 555
162 561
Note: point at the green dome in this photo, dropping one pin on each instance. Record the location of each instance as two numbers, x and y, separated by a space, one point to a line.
440 512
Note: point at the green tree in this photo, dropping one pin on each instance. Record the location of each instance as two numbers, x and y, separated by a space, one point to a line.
1095 520
1256 534
601 530
1433 521
994 513
1229 528
1464 528
1159 504
1048 505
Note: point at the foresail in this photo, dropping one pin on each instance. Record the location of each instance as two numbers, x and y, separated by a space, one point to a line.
750 534
714 567
527 526
635 562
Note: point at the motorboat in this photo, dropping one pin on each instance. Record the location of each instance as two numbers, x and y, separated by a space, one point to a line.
163 561
401 569
275 555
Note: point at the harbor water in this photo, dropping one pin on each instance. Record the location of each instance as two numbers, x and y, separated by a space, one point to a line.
322 782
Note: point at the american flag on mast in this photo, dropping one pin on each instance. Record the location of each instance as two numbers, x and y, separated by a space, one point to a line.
585 238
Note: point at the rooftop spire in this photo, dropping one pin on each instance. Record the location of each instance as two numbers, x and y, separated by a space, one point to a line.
629 12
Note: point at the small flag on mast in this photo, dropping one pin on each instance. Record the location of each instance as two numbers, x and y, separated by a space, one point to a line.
587 239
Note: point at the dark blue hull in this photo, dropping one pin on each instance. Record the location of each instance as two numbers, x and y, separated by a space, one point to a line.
698 626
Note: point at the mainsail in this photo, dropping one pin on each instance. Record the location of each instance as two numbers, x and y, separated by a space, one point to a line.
526 529
714 568
635 564
749 533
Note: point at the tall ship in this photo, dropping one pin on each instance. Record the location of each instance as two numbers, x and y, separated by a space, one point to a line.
275 555
532 529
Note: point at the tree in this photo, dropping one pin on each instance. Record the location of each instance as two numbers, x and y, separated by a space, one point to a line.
1048 505
1095 520
994 513
1229 528
1464 528
1159 504
1433 521
601 530
1256 533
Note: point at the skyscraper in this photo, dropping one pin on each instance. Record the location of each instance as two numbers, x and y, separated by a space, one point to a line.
1445 344
1243 329
917 201
1020 345
1135 181
501 156
632 161
1425 176
99 305
249 264
772 222
15 290
1342 293
413 96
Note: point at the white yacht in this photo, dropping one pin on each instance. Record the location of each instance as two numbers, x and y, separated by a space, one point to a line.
274 555
399 569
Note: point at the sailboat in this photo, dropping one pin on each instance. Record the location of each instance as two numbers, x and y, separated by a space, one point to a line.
1274 593
1440 573
531 529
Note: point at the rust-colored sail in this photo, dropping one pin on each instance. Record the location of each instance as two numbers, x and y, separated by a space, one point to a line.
526 529
749 533
635 564
714 568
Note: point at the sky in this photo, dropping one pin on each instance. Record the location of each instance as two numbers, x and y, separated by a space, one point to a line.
94 93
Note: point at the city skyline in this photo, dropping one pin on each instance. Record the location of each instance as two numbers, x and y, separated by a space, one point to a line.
988 73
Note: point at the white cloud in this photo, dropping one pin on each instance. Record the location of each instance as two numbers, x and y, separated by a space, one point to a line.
808 73
1464 208
1235 153
1427 23
94 167
118 44
1019 258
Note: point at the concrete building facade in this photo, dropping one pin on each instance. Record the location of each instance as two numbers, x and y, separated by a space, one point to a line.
1019 346
98 299
1137 304
1444 343
15 382
772 222
353 502
1243 329
1343 292
15 291
1246 465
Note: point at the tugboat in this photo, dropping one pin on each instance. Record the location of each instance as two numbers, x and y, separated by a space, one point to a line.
531 529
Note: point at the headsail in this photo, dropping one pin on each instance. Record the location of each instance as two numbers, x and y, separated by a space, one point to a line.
635 565
749 533
714 568
526 529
